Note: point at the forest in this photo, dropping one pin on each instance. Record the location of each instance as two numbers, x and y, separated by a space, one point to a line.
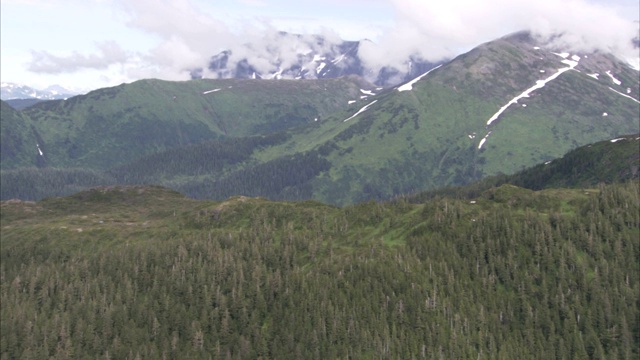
142 272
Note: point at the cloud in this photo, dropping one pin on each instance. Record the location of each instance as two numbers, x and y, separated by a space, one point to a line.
187 33
189 37
47 63
439 30
432 31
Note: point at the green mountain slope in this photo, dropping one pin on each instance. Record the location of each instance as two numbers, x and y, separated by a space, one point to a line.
504 106
441 131
129 272
18 141
112 126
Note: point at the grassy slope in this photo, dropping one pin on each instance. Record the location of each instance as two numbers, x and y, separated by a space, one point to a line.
111 126
420 139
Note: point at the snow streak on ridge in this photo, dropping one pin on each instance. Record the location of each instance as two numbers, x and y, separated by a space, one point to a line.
625 95
364 108
539 84
409 86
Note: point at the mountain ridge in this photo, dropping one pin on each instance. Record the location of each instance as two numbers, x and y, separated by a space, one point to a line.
504 106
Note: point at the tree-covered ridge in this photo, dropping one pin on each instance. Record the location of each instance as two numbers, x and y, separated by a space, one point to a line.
219 169
610 161
143 272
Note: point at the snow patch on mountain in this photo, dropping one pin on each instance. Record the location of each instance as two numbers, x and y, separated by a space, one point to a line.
363 109
484 139
615 81
210 91
338 59
409 86
539 84
625 95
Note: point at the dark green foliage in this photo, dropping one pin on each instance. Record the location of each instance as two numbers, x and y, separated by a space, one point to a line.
35 184
606 161
126 272
283 178
209 158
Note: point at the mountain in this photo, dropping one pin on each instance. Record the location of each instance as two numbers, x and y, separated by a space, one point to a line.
504 106
10 91
293 56
111 126
142 271
18 144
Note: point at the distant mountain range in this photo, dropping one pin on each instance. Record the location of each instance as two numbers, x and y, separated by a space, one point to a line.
11 91
506 105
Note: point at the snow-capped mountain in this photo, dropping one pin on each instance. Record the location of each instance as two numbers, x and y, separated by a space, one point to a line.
291 56
11 91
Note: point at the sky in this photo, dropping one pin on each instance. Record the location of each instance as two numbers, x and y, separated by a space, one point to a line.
88 44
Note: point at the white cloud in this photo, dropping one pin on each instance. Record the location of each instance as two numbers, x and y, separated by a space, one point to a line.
437 30
183 34
45 62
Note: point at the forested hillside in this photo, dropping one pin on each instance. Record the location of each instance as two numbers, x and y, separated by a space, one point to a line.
219 169
611 161
143 272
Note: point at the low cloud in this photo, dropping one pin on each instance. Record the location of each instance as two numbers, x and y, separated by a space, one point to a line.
188 36
108 53
439 30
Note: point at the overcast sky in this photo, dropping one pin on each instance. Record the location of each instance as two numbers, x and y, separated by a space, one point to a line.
86 44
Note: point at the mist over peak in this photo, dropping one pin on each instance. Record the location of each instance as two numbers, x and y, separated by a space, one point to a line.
188 33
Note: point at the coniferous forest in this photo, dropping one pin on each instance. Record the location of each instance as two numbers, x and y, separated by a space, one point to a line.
142 272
